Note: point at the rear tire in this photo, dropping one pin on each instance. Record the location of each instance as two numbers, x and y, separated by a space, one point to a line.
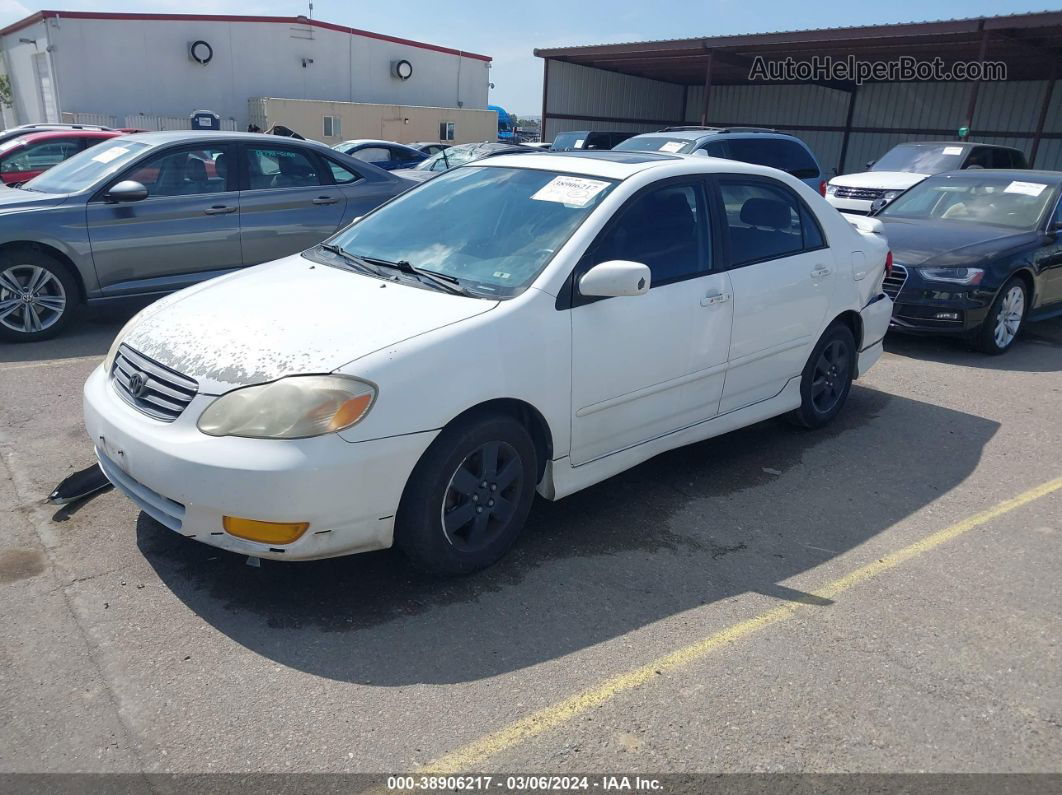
1004 320
469 495
38 295
827 378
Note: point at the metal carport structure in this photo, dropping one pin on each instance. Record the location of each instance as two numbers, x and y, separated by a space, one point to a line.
647 85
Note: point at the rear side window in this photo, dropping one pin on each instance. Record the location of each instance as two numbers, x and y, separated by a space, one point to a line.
766 221
341 174
788 156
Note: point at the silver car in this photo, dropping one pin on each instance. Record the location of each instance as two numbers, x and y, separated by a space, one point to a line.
151 213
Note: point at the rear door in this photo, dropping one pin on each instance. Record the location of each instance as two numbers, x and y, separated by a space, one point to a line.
289 201
783 277
187 228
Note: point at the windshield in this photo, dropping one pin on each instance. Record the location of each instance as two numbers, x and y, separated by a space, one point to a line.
492 228
455 156
656 143
921 158
974 200
86 168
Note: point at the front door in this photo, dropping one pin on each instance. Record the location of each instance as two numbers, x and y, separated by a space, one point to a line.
783 276
290 202
188 227
648 365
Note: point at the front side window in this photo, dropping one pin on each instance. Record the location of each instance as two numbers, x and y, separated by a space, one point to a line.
765 221
184 173
280 168
492 228
663 228
40 156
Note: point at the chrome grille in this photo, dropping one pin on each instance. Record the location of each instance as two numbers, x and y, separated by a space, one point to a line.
894 282
151 387
866 194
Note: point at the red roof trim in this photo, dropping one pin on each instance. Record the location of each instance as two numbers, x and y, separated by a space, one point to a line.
34 18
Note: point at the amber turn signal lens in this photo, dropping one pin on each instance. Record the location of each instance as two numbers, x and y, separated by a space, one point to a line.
264 532
351 411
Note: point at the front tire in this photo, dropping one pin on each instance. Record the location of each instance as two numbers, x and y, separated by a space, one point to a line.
1004 319
38 295
827 378
468 497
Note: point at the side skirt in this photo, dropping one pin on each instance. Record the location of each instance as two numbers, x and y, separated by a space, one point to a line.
561 478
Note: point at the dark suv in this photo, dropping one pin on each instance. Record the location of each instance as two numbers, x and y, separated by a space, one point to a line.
588 139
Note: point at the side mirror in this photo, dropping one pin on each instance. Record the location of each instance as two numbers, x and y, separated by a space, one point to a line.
128 190
878 204
615 278
699 153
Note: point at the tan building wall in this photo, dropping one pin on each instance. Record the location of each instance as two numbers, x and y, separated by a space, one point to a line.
401 123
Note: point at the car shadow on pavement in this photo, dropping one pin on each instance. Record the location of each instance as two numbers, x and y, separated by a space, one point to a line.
1038 349
740 513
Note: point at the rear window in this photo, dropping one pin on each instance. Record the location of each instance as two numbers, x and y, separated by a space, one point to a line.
779 153
657 143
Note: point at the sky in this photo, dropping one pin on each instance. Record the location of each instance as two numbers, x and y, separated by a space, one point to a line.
509 30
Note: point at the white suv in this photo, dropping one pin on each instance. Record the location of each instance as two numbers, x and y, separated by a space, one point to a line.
906 165
527 323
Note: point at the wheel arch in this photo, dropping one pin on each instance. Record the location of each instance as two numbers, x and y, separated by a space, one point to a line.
59 254
854 322
526 414
1029 279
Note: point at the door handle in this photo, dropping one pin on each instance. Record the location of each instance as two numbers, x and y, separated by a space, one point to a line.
715 298
219 209
820 271
325 200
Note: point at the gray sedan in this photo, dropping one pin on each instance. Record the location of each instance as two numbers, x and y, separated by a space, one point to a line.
151 213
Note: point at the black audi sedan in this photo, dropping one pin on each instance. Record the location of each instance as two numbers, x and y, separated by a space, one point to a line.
976 253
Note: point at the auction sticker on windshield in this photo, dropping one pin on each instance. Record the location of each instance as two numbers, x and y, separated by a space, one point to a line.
1028 188
110 154
953 150
672 146
573 191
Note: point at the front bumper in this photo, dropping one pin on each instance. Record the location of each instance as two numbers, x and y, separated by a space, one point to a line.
926 307
855 206
187 481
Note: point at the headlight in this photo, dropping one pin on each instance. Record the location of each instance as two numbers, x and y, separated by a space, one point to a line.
953 275
291 408
831 189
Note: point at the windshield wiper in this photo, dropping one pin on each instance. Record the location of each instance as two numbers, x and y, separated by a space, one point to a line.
359 263
443 281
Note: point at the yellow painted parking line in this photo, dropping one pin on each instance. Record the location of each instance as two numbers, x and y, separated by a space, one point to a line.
473 754
5 368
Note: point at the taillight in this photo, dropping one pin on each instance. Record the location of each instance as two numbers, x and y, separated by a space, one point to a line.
822 187
888 264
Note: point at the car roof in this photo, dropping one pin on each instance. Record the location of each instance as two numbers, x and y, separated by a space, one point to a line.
966 144
370 141
620 165
191 136
1014 174
703 133
45 135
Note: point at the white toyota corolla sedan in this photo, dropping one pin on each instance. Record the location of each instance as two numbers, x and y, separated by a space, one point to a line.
530 323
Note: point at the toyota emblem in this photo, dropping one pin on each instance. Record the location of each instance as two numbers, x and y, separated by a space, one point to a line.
137 384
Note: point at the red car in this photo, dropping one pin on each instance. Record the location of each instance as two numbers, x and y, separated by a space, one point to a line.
25 157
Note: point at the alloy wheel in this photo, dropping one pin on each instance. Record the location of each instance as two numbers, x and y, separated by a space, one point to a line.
831 376
32 298
1009 317
482 495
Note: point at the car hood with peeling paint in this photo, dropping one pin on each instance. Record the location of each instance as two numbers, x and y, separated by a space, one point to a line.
289 317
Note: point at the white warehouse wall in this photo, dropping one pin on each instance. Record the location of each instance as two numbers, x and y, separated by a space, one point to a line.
125 66
17 64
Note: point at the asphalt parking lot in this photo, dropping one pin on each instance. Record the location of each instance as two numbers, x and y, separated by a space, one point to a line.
879 596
